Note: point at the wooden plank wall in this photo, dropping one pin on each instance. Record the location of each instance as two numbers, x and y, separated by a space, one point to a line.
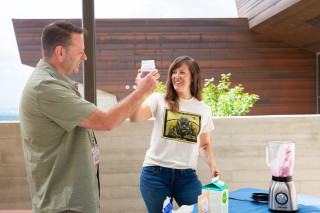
295 22
283 75
258 11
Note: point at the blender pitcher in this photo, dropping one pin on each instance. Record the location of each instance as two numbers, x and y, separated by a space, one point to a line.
280 158
282 191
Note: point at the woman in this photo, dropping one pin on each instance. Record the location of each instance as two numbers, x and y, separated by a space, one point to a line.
181 130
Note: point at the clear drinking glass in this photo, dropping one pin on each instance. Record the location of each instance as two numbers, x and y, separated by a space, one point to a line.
146 67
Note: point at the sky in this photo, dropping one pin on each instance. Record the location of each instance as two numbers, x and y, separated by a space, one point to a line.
14 75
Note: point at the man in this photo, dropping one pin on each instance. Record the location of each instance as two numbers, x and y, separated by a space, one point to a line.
60 150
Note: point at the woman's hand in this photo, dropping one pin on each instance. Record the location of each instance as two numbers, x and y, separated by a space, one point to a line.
215 172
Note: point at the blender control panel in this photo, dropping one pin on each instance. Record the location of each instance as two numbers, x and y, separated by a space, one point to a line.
281 198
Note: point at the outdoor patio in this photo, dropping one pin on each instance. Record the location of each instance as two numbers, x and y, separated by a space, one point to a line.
259 49
238 143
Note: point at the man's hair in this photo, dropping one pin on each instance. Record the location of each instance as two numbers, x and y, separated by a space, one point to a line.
58 33
196 86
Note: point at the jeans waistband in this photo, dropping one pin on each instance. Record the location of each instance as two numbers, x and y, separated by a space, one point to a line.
173 171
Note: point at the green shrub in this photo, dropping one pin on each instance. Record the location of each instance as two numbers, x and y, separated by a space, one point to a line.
161 88
225 101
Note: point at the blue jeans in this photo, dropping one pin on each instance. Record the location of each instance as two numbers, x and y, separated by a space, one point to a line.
156 183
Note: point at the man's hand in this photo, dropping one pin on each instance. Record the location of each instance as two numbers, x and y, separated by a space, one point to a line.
149 83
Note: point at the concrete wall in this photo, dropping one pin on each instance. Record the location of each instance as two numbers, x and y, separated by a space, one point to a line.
238 144
104 100
14 188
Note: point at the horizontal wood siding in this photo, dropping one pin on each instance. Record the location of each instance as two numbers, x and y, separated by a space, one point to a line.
283 75
260 10
295 22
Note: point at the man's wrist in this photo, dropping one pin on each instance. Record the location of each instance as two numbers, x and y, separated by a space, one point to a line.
141 94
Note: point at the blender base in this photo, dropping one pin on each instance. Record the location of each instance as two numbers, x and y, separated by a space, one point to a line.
278 211
282 195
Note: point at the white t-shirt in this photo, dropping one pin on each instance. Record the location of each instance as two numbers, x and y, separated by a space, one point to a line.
175 136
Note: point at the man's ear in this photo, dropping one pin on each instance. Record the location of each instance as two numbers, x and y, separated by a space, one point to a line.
60 53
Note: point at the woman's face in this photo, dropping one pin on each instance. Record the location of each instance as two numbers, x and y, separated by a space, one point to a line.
181 80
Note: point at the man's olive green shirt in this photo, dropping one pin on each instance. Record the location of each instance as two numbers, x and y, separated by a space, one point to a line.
60 168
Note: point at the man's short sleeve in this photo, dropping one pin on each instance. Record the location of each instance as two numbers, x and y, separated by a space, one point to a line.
63 104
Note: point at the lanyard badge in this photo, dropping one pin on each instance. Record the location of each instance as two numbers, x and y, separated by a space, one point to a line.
94 149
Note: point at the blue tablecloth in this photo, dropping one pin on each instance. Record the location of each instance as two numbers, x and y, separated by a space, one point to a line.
306 204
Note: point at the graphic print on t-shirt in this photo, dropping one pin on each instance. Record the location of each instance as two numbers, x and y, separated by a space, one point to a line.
181 126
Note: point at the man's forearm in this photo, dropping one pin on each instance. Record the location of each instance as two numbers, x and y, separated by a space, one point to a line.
108 120
125 108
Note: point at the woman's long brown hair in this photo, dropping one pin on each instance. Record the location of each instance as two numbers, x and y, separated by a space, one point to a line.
171 96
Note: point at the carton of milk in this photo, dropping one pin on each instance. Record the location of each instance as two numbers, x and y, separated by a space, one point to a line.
218 195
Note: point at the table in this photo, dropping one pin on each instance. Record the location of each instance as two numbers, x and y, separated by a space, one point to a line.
306 204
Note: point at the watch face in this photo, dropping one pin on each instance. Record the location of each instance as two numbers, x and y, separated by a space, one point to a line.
281 198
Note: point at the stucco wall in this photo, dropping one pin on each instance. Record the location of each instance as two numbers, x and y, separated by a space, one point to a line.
238 143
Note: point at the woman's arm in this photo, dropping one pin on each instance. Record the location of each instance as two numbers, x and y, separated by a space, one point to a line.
141 114
207 154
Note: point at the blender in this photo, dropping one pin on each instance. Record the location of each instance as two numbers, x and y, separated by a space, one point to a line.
282 192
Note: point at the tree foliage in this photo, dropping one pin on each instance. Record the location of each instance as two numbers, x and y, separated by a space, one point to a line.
226 101
161 88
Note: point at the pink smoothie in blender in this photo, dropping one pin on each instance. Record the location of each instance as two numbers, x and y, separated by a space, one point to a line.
280 158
